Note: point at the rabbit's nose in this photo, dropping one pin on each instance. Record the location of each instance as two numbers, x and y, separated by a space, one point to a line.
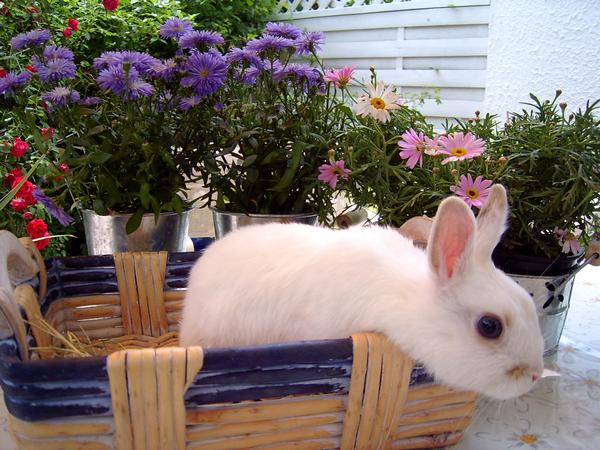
535 377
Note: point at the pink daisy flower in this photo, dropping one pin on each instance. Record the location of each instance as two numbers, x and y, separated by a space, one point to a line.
568 241
571 245
340 77
331 172
460 146
475 193
413 144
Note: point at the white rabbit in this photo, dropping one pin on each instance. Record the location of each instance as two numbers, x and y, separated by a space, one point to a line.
449 308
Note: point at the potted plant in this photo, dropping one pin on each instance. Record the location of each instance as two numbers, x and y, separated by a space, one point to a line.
400 168
547 159
553 180
274 128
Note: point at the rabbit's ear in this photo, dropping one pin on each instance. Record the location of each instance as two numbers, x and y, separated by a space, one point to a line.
452 238
491 222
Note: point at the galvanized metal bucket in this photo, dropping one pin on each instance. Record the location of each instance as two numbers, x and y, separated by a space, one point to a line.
225 221
551 303
106 234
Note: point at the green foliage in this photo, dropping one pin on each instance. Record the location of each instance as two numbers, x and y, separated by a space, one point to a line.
553 173
236 20
271 139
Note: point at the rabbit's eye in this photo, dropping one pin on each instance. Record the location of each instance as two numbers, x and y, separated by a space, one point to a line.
490 327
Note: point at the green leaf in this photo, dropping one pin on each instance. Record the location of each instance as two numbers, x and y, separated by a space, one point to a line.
134 221
100 157
145 195
290 172
250 160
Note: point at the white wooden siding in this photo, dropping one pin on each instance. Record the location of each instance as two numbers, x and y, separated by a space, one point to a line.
438 46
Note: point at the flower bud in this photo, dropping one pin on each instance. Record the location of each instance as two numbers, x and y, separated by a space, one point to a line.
454 172
563 106
502 160
470 120
477 113
331 155
571 116
435 170
558 92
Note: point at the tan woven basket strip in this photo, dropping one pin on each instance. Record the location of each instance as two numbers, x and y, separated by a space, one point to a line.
127 292
143 280
67 427
429 428
366 429
267 410
389 392
25 296
156 300
60 444
356 392
403 366
147 388
427 442
42 274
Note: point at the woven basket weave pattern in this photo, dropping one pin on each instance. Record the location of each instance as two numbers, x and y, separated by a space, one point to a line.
359 393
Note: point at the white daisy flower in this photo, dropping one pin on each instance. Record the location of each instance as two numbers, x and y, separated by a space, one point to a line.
378 102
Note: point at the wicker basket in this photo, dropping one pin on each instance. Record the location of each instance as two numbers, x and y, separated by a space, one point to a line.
358 393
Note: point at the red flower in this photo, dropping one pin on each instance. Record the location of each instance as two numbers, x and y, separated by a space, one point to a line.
110 5
64 167
26 191
37 228
19 148
31 69
47 133
3 72
27 215
18 204
67 32
10 176
73 24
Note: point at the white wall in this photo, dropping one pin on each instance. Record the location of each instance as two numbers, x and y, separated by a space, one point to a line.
541 45
419 46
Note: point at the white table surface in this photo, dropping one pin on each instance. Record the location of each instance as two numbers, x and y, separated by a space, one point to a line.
559 413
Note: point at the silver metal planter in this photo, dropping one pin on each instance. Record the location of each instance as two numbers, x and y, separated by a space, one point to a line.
225 221
551 303
106 234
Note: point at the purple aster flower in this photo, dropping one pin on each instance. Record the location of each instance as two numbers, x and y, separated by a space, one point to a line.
127 84
268 42
165 70
107 59
13 80
33 38
200 39
297 71
60 96
205 73
219 106
90 101
54 52
54 69
284 30
55 211
142 62
310 42
175 28
244 56
189 102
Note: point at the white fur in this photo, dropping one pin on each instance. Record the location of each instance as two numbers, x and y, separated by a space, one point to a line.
275 283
